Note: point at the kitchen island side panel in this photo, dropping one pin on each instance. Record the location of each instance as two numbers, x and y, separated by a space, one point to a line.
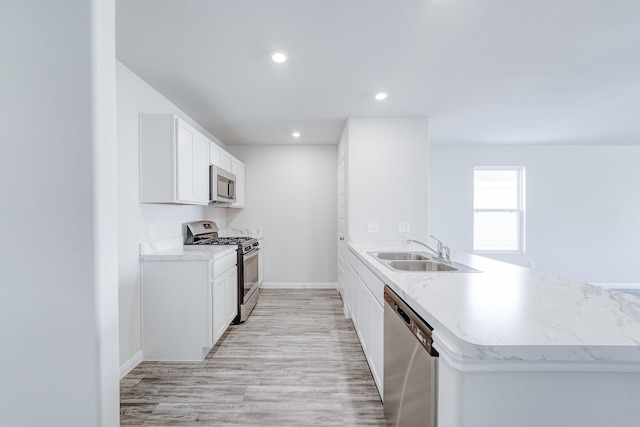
538 398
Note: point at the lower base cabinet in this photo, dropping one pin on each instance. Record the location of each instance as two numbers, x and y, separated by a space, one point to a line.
186 306
225 300
367 314
375 355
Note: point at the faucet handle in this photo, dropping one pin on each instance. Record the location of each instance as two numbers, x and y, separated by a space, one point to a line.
436 239
443 250
440 244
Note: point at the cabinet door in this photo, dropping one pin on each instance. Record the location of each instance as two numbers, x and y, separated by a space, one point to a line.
355 295
237 168
215 154
184 163
225 160
201 169
363 314
349 290
192 165
219 303
376 341
231 296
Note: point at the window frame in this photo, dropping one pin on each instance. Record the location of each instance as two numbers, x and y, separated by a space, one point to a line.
520 210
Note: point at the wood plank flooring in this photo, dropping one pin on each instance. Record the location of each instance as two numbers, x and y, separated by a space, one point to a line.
295 362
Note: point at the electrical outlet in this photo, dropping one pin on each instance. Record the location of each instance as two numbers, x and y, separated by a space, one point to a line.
404 227
532 265
372 227
152 231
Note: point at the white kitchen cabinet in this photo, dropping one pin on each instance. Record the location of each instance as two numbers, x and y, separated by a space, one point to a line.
174 166
231 296
219 301
201 169
215 153
237 168
225 160
375 355
367 314
184 312
225 298
362 313
219 157
350 291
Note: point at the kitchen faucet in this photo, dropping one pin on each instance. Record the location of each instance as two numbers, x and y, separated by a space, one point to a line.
443 251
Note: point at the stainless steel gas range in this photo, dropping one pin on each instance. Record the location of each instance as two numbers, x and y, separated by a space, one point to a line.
206 233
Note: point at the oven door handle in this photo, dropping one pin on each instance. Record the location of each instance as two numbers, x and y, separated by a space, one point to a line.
251 254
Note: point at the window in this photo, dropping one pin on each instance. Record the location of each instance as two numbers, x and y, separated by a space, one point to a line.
498 209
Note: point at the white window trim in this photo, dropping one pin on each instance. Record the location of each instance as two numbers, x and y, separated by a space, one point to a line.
520 209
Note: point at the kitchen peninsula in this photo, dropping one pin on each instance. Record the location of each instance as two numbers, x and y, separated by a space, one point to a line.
520 347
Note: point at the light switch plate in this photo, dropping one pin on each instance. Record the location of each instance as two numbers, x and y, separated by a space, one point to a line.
404 227
372 227
152 231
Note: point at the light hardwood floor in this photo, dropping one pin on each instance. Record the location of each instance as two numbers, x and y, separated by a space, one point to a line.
295 362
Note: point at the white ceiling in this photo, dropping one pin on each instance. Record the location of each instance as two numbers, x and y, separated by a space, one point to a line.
484 71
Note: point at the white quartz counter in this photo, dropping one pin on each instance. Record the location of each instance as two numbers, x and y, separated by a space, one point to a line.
173 250
510 314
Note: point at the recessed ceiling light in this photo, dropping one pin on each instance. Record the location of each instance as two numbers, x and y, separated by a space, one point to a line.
380 96
279 57
296 134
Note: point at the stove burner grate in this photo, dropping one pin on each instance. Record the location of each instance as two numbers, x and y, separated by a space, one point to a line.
222 241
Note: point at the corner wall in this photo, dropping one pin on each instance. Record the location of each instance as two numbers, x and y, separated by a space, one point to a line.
135 96
582 205
387 176
58 271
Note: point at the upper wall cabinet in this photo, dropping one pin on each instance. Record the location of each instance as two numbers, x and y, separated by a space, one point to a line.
219 157
237 168
174 161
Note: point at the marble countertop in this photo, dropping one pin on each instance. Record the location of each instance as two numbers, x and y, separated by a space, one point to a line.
507 313
173 250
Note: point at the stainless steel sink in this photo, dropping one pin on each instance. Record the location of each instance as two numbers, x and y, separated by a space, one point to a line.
431 265
421 266
405 256
419 262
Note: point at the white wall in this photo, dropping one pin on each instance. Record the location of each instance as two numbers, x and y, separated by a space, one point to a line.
134 96
291 194
387 175
582 205
58 271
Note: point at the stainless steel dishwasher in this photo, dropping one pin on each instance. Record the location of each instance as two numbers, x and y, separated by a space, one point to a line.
410 366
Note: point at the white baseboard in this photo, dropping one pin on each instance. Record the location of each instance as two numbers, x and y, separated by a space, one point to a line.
130 364
297 285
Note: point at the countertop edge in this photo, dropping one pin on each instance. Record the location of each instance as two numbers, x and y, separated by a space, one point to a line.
190 253
472 357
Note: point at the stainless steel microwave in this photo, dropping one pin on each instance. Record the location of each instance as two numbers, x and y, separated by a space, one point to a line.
222 185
